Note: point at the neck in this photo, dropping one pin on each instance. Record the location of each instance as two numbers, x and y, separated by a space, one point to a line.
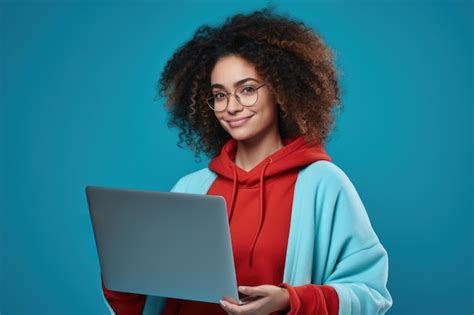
252 151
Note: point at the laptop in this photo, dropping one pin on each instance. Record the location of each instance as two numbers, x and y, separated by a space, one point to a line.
166 244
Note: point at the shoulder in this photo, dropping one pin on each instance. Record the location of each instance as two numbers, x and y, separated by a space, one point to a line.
325 173
328 187
203 172
328 184
195 181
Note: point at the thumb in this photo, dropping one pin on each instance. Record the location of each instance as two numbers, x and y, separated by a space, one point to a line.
254 291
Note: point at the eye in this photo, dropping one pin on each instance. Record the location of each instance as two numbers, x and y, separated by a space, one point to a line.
219 95
248 90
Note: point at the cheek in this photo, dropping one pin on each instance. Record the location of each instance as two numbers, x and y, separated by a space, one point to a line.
217 116
270 106
220 120
269 114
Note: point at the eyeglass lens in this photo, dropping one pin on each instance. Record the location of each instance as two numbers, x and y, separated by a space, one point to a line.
245 95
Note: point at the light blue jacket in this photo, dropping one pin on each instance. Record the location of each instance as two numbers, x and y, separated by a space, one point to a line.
331 240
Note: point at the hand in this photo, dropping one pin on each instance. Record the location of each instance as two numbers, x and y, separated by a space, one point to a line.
272 299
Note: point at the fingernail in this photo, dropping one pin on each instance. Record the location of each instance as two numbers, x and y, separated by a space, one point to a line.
222 303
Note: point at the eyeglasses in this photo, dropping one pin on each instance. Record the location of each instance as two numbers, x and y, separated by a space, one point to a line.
246 95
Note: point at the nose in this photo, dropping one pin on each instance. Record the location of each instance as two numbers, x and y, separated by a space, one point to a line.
234 105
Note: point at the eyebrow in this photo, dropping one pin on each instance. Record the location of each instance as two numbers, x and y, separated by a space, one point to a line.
217 85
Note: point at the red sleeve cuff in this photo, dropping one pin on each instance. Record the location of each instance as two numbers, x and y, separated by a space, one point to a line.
312 299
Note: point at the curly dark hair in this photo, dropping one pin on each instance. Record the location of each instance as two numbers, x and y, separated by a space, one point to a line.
291 58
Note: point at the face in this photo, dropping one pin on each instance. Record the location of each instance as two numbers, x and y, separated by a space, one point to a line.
243 122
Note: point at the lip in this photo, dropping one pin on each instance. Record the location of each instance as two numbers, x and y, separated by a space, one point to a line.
238 122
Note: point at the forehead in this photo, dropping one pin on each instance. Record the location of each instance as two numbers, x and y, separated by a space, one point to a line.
231 69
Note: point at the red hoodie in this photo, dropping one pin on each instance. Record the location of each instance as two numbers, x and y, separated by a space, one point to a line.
259 209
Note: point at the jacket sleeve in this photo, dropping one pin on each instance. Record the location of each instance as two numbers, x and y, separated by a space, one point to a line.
356 263
310 299
123 303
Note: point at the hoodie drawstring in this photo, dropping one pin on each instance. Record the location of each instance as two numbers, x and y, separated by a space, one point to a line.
260 222
261 214
234 191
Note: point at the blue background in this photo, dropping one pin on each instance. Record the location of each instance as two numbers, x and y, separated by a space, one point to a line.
77 87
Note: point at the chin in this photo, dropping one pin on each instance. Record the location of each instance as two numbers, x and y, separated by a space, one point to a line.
241 135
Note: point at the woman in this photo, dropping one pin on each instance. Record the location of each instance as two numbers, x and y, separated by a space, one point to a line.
258 95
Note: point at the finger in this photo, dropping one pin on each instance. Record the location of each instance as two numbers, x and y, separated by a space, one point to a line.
260 290
250 298
223 305
249 308
228 307
231 301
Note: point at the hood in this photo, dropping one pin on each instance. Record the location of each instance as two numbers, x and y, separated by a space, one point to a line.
295 154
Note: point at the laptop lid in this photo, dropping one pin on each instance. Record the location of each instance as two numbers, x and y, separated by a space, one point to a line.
164 243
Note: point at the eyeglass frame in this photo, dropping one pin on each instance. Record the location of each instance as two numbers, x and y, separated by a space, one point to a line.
227 96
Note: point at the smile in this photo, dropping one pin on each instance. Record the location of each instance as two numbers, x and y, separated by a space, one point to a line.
239 122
